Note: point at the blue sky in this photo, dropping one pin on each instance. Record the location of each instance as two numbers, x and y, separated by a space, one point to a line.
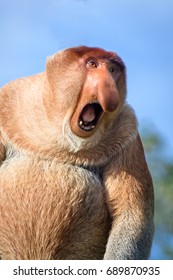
141 32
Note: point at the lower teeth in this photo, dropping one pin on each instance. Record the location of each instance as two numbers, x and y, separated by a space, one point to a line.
86 127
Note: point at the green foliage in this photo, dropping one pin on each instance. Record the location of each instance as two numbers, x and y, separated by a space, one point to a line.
161 167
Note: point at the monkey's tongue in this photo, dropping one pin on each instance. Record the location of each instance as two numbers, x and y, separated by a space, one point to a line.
88 113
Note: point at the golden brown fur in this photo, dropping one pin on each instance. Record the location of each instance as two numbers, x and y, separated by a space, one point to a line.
68 193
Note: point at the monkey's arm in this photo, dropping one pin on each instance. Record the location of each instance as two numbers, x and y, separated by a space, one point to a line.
130 199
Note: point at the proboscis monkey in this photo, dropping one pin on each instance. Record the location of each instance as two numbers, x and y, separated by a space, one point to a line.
74 183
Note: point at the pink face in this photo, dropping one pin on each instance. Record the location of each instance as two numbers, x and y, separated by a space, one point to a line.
100 94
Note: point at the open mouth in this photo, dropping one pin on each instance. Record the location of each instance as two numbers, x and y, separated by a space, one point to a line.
90 116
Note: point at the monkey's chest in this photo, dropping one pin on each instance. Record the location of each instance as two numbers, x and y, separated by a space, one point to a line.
50 211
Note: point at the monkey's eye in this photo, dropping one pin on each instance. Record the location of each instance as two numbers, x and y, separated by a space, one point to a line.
115 70
92 63
112 69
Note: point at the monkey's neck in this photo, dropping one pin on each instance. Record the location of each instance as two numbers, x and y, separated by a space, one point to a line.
123 130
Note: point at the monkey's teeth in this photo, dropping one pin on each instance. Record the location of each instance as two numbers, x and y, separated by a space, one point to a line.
85 126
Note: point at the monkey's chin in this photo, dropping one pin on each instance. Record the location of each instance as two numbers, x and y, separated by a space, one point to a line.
75 143
85 122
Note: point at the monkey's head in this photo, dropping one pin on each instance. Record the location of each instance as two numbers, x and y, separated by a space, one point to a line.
88 90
